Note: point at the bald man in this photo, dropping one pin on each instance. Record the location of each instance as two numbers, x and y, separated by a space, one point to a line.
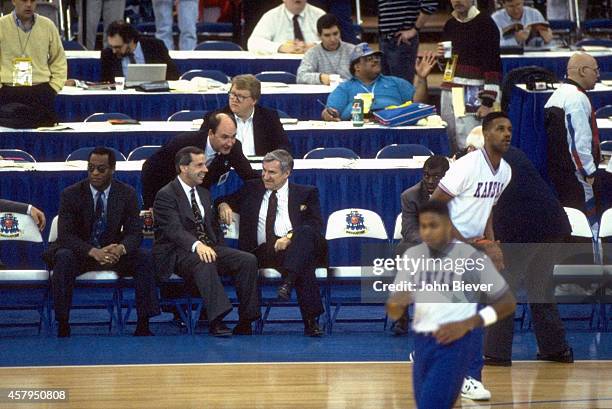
573 138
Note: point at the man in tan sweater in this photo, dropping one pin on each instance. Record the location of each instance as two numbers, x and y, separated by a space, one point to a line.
33 66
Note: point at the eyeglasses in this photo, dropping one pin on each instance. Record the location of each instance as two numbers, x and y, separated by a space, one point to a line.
239 98
99 168
596 69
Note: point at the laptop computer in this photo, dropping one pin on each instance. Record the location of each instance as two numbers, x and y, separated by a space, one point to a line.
140 73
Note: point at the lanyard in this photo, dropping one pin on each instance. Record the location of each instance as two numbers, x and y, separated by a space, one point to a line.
22 46
367 90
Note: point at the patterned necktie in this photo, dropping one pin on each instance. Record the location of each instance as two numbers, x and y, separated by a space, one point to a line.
200 228
99 225
271 220
297 31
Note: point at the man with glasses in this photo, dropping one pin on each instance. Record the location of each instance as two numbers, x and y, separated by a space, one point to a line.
126 46
384 90
258 128
99 228
573 137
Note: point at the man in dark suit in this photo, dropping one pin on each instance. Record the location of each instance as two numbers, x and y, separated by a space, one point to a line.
280 222
189 242
23 208
258 129
223 152
126 46
99 228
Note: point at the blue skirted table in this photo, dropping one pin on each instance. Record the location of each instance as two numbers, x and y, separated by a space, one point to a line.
85 65
374 184
49 146
72 104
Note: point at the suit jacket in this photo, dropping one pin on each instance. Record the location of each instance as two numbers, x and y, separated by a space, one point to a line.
15 207
155 52
159 169
268 132
304 209
175 226
76 217
412 200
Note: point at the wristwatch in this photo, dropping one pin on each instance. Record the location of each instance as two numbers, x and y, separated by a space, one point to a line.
289 235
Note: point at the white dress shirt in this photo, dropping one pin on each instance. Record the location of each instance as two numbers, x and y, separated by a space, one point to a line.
187 190
282 225
94 193
244 133
209 152
276 26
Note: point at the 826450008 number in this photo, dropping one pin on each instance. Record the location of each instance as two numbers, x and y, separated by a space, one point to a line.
33 395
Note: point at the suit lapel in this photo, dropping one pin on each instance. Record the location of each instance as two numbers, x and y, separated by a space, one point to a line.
112 207
208 219
88 215
293 205
184 203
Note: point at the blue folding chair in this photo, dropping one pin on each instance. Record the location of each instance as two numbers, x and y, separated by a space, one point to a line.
403 151
83 154
282 114
212 74
322 153
73 46
16 155
187 115
277 76
217 29
143 152
597 26
218 46
604 112
599 42
105 116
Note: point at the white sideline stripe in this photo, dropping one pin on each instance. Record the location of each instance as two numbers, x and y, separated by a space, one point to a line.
267 363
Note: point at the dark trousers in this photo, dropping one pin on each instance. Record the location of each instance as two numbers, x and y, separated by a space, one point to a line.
240 264
299 261
530 266
41 94
68 266
399 60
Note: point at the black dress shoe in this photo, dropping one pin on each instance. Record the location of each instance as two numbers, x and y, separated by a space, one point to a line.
566 356
400 327
243 328
312 329
218 328
63 330
284 290
142 329
491 361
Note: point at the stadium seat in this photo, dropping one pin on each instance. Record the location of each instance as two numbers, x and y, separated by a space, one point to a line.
16 155
352 223
187 115
277 76
105 116
73 46
218 46
211 74
83 154
598 42
23 289
143 152
322 153
403 151
604 112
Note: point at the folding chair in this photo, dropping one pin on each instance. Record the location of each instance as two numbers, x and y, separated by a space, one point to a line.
218 46
322 153
277 76
352 223
211 74
105 116
23 289
604 111
605 232
187 115
83 154
143 152
16 155
403 151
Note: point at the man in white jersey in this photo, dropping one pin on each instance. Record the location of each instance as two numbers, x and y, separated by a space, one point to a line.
446 322
471 188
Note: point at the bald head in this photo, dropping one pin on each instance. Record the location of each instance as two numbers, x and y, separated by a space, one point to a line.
582 68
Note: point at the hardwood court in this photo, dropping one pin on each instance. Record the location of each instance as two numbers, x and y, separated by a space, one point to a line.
586 384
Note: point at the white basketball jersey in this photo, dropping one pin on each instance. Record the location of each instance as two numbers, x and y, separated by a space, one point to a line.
475 186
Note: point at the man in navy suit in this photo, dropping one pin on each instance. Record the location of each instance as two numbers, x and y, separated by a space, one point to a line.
99 228
189 242
280 222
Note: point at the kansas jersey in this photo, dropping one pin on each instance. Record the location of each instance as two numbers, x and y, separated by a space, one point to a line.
475 187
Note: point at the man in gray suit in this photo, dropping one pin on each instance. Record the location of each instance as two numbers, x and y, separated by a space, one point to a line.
413 198
24 208
189 241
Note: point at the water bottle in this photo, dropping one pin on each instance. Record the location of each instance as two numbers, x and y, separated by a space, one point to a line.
357 112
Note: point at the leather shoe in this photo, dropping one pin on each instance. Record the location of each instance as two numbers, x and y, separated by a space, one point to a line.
311 328
566 356
243 328
63 330
218 328
142 329
492 361
284 290
400 327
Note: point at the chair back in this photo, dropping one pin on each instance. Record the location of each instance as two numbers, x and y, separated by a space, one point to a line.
322 153
83 154
143 152
579 223
397 230
277 76
604 112
403 151
211 74
105 116
187 115
218 46
16 155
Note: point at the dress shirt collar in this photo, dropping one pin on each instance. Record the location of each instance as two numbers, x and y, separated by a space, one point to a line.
249 119
186 188
290 14
209 152
472 12
94 192
284 189
20 24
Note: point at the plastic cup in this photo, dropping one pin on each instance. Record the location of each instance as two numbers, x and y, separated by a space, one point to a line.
448 49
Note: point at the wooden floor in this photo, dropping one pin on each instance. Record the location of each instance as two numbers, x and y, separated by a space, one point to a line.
585 384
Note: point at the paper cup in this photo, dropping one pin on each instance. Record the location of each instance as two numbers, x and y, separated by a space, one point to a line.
448 48
119 83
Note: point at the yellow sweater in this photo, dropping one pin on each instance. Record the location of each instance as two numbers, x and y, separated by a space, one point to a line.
44 47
